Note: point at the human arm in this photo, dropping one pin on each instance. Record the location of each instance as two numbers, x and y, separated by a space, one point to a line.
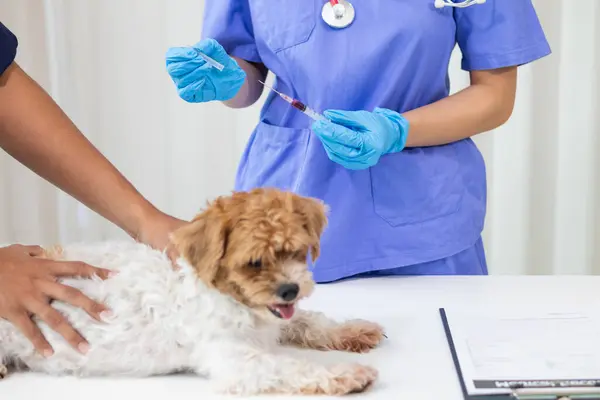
228 38
236 84
36 132
484 105
357 139
495 39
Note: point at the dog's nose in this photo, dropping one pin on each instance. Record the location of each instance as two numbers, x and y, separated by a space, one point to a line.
288 291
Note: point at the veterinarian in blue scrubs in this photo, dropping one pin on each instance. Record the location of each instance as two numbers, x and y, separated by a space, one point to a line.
395 161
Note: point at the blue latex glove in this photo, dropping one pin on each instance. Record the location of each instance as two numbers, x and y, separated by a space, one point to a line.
357 139
196 80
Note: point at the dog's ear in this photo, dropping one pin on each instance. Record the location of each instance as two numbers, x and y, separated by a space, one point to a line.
202 243
315 221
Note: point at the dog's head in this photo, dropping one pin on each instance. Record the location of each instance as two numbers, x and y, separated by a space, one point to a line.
254 246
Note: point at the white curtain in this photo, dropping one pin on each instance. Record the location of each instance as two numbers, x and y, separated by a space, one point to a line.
103 61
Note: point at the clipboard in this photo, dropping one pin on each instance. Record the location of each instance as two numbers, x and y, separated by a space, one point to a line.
522 389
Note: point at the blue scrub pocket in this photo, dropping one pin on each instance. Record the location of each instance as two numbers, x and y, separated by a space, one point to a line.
417 185
283 24
274 158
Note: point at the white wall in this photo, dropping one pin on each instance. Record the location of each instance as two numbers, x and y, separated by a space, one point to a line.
103 61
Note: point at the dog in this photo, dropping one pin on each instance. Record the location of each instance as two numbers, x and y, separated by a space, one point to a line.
224 313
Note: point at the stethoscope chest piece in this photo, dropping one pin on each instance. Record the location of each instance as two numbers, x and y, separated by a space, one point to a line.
338 14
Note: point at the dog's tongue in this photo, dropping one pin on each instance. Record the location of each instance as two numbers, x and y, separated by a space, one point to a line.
285 310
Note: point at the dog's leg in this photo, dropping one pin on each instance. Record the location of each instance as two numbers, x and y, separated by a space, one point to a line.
256 371
315 331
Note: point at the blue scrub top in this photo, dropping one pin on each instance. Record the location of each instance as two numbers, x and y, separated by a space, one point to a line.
413 207
8 47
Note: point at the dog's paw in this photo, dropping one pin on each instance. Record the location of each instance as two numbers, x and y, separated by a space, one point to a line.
3 371
338 380
352 378
358 336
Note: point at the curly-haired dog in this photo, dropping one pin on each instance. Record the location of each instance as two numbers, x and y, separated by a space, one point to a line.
223 314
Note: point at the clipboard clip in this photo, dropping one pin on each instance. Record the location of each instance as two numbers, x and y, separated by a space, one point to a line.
520 392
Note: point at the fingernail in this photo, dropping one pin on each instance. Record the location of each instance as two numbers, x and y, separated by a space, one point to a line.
112 274
106 315
83 348
47 353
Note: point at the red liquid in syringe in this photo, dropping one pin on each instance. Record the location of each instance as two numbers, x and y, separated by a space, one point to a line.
306 110
299 105
296 104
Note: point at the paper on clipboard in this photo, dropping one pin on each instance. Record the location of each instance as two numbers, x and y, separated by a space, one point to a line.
499 351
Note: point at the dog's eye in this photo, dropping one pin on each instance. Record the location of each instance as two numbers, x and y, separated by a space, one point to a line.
255 264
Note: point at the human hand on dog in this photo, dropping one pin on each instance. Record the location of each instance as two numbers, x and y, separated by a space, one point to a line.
156 231
28 284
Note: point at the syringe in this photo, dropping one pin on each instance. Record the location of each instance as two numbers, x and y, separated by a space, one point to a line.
297 104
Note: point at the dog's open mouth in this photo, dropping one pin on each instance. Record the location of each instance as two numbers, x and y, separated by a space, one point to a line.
283 311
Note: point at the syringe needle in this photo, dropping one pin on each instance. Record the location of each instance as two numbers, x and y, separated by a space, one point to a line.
296 104
268 87
283 96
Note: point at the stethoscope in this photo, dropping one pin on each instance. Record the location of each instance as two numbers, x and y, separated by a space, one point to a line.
452 3
340 13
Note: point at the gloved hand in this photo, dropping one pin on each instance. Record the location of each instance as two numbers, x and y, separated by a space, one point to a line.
196 80
357 139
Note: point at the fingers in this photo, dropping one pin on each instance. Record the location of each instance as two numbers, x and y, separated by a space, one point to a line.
72 296
333 147
213 49
341 149
173 255
77 269
31 250
58 323
193 75
349 119
34 251
207 46
349 158
33 333
178 54
179 69
197 92
337 133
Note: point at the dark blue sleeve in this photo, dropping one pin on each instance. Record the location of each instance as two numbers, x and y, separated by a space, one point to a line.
8 48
